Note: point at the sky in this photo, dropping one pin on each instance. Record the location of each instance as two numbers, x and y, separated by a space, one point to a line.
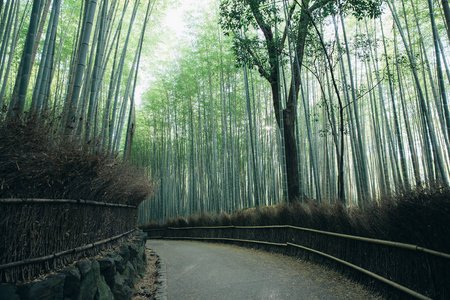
174 27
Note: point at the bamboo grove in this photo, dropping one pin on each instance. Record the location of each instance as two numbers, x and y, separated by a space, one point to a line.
365 97
73 65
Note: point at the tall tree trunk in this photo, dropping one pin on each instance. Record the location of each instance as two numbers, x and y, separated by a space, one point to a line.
42 79
112 124
73 65
440 74
437 156
13 9
16 106
104 136
405 177
131 119
79 72
252 142
96 76
447 16
412 147
4 78
360 154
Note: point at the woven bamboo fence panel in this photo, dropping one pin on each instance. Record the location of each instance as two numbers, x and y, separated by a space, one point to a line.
36 228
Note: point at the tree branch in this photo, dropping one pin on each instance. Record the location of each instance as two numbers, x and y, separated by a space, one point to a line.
283 39
254 55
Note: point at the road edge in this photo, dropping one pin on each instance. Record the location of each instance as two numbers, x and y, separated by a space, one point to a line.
161 281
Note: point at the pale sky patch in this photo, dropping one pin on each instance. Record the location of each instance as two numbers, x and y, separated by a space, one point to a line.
174 27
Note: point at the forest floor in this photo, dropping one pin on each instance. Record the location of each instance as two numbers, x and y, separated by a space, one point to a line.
145 289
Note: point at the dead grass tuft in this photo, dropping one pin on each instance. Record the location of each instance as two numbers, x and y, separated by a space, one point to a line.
35 162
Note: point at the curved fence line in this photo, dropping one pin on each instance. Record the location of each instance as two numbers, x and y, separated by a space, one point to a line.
71 251
347 236
88 202
367 272
227 239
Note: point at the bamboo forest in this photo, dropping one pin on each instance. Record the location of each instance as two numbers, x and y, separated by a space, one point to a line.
235 104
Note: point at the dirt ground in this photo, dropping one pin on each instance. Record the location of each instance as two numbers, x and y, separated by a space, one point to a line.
145 289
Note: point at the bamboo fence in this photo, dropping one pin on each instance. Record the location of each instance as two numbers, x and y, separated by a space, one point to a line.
416 271
40 235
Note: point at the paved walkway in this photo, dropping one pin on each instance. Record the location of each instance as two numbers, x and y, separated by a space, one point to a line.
207 271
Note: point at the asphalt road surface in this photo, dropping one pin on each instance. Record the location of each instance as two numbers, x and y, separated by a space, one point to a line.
207 271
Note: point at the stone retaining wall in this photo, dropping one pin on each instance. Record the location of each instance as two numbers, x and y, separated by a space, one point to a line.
111 277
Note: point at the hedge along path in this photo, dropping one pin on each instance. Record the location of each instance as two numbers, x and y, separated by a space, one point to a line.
40 235
345 236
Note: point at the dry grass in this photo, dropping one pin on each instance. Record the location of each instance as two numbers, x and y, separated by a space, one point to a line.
416 218
35 162
419 218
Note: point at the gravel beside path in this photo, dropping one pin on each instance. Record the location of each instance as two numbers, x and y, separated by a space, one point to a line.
207 271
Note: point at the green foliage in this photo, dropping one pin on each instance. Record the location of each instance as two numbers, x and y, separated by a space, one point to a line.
253 23
239 19
360 9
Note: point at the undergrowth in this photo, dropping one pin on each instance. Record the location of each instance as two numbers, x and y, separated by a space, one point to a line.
36 162
420 217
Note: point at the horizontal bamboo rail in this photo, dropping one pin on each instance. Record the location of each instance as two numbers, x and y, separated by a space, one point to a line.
347 236
227 239
377 241
367 272
71 251
87 202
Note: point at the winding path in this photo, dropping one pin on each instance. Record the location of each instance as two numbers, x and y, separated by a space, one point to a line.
207 271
